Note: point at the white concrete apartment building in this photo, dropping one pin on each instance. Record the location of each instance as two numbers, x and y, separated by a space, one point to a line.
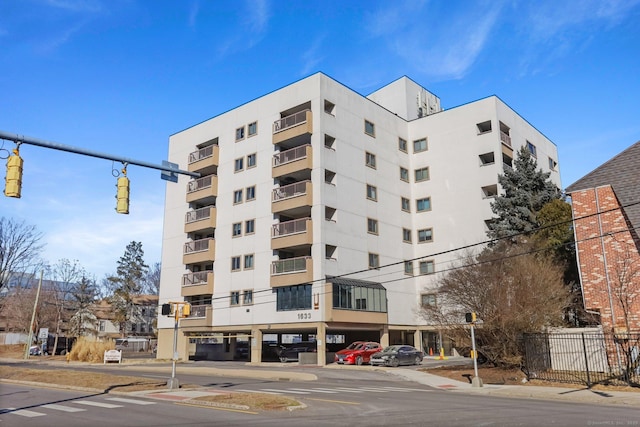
312 200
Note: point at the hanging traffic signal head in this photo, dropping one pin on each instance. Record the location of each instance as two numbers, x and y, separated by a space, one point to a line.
13 180
470 317
122 206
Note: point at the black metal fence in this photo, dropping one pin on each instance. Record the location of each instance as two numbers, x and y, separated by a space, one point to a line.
583 357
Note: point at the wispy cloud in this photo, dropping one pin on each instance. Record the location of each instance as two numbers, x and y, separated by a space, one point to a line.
441 49
76 5
254 23
312 56
194 9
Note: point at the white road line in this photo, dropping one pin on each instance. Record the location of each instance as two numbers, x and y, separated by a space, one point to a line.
325 390
99 404
62 408
258 391
313 390
24 412
349 390
134 401
287 391
373 390
403 389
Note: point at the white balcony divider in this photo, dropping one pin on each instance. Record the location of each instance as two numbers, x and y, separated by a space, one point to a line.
290 265
197 245
198 214
291 190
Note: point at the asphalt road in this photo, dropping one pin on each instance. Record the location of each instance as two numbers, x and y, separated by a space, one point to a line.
338 397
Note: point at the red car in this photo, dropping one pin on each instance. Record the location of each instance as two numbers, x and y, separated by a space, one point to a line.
357 353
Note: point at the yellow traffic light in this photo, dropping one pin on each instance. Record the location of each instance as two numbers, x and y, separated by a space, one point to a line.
186 309
13 180
122 206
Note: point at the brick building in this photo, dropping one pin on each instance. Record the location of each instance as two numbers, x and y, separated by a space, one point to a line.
606 212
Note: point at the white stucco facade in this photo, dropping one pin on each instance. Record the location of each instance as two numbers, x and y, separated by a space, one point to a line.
317 129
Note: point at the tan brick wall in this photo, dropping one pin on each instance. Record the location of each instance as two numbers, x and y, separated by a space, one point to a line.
605 240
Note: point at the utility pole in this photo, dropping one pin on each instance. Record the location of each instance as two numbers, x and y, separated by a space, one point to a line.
33 318
471 319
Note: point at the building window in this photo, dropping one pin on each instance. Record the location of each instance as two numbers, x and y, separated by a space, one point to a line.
370 160
247 297
405 204
330 251
101 326
369 128
427 267
423 205
251 160
406 235
359 297
489 191
484 127
408 268
402 145
248 262
428 300
329 177
420 145
329 107
404 174
240 133
425 235
237 229
422 174
252 128
487 159
372 192
330 214
249 226
235 263
372 226
234 298
239 165
374 260
532 149
552 164
329 142
237 196
296 297
251 192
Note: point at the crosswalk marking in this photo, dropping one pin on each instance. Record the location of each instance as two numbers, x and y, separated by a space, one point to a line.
349 390
286 391
62 408
325 390
25 413
404 389
258 391
373 390
99 404
134 401
312 390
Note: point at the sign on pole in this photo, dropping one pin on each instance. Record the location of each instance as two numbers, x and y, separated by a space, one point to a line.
43 334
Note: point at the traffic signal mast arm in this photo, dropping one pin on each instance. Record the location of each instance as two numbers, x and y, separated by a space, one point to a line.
21 139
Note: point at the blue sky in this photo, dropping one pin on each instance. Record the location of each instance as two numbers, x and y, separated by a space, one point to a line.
120 76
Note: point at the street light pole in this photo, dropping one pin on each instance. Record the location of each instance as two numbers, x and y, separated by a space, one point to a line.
33 318
476 381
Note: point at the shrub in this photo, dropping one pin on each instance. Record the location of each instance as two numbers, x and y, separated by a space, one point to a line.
90 351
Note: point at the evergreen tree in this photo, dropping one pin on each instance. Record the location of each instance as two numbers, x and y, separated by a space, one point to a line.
526 190
127 283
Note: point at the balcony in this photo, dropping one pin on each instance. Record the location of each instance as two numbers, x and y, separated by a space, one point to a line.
293 197
205 159
199 251
202 188
291 271
200 219
505 138
291 161
291 234
201 315
293 126
199 283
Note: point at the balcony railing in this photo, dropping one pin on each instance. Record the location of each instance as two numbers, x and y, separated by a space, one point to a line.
290 121
290 155
506 139
289 265
197 278
202 153
197 246
198 311
290 227
200 183
291 190
198 214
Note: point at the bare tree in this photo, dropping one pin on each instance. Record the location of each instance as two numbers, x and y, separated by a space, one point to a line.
511 288
65 275
20 248
151 284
